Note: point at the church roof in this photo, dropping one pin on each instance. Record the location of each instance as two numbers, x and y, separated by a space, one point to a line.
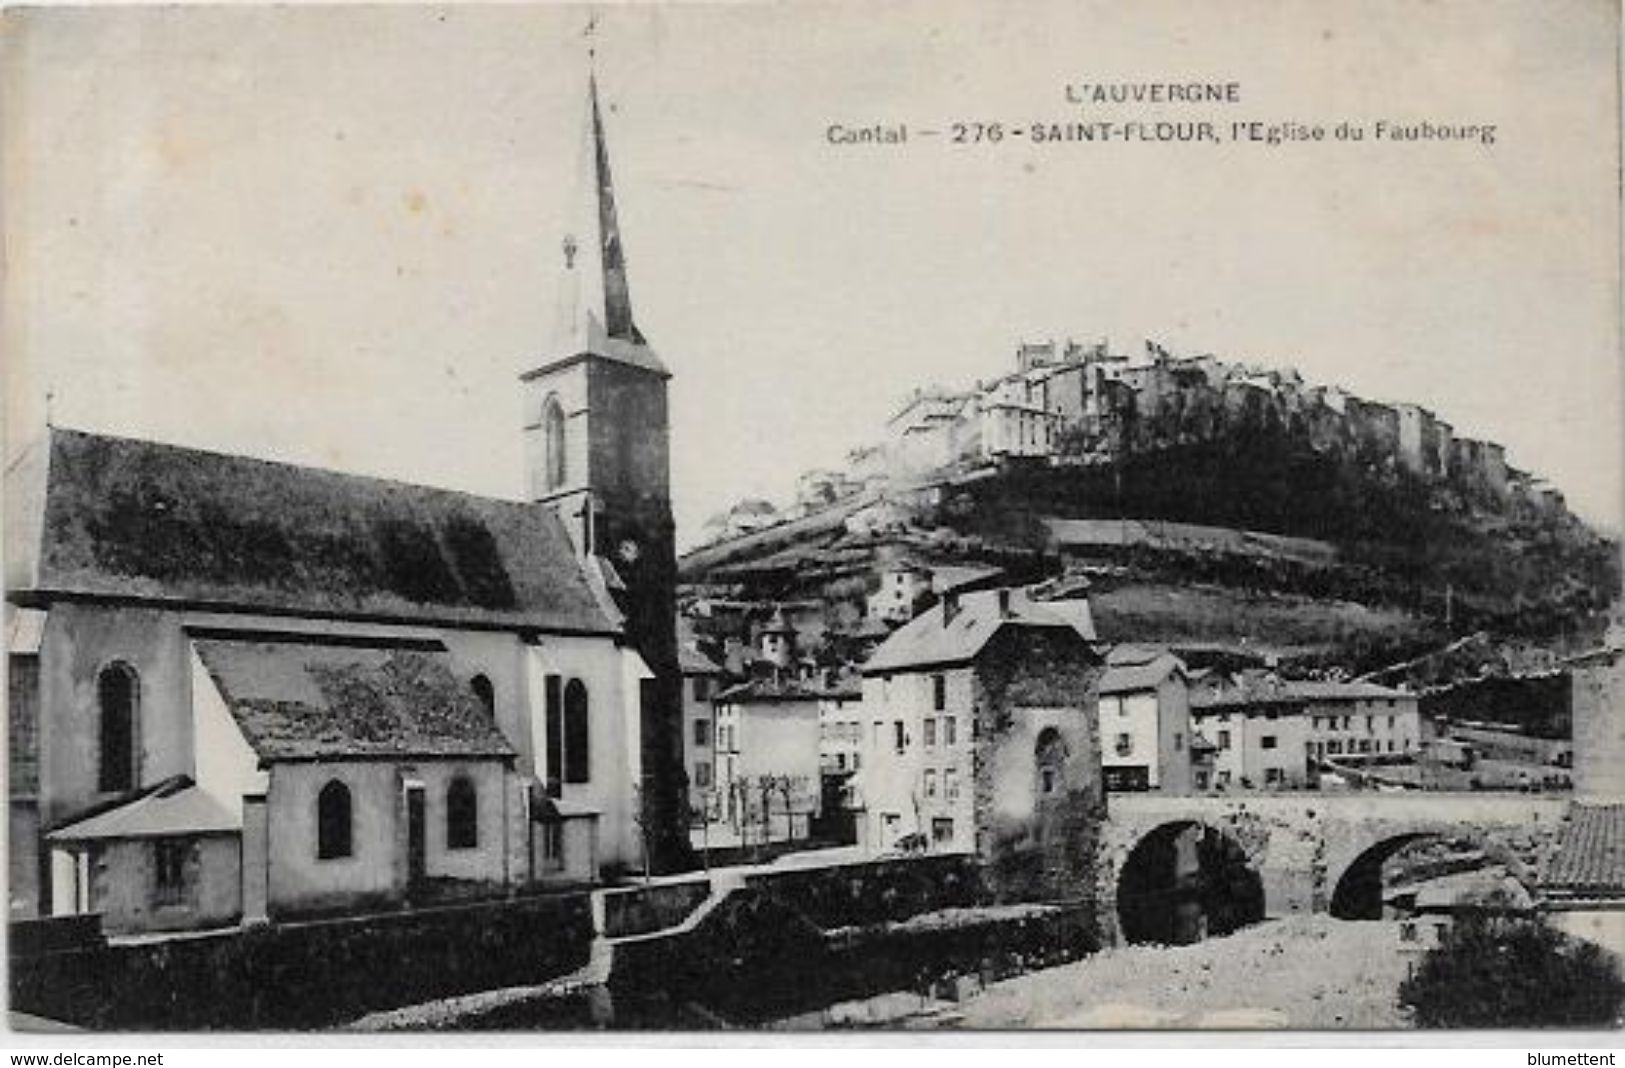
299 700
122 518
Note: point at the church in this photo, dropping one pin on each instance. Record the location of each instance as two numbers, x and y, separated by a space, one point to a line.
243 691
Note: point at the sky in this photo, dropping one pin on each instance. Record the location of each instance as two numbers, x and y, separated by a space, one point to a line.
332 235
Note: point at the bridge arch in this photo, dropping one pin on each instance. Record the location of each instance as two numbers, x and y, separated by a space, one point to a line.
1184 880
1357 889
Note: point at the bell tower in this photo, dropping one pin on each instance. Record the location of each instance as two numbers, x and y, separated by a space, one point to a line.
597 450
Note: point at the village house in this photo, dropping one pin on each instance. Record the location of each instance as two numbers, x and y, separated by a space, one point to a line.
1269 732
243 690
981 737
1145 721
701 683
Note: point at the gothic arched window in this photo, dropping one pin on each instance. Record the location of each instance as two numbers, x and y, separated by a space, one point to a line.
333 821
462 814
118 697
1050 757
576 754
553 437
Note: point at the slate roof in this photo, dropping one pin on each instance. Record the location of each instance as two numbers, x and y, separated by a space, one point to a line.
174 806
298 700
1292 691
693 662
139 519
1132 669
928 640
769 689
1590 859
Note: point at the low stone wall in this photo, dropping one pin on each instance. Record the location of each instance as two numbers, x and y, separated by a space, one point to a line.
308 975
756 960
637 910
878 891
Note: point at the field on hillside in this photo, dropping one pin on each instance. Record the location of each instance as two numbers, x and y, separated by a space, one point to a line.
1230 620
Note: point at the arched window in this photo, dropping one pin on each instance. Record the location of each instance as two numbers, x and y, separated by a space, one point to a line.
553 437
333 821
118 694
486 693
462 814
1050 757
576 752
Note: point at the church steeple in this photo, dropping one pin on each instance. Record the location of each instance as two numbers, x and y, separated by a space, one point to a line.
595 307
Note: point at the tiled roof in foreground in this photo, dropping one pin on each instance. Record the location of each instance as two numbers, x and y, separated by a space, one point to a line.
1591 857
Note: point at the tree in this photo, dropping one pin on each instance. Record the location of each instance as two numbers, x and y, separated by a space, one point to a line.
1492 970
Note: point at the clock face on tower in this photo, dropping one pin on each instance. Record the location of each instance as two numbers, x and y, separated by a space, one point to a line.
629 551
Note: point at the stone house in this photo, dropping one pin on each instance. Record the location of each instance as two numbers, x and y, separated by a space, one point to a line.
982 738
1145 722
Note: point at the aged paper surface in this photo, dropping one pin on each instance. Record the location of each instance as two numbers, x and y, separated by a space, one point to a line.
1267 350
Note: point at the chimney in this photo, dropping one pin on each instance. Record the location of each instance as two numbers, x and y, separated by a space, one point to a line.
1004 603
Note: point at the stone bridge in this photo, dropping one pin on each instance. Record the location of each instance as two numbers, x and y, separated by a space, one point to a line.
1319 852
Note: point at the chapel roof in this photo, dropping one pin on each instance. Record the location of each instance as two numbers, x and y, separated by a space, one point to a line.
302 700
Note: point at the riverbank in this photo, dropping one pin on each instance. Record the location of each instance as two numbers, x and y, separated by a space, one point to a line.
1303 972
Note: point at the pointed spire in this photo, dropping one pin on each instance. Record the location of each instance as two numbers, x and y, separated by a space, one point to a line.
595 307
617 295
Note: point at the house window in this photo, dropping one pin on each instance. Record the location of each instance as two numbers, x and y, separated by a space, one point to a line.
702 732
462 814
930 783
553 436
1125 744
1224 739
950 731
942 830
899 738
1201 780
169 861
1273 776
702 774
950 784
1266 741
333 821
576 756
930 733
939 692
1223 778
485 693
1179 742
1390 722
118 692
702 688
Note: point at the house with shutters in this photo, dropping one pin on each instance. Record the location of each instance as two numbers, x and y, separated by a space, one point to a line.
244 691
